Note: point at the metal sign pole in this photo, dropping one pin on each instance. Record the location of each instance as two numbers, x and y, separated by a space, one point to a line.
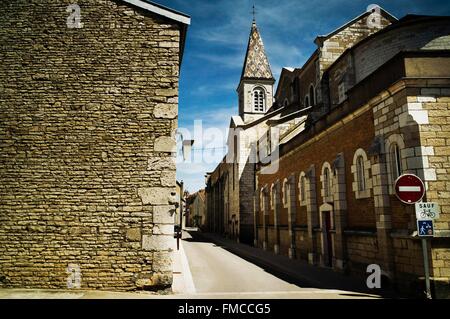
181 209
426 267
410 189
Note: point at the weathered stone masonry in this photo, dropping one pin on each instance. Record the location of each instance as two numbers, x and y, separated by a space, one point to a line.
86 139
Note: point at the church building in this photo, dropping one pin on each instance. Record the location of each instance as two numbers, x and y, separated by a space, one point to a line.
370 104
231 185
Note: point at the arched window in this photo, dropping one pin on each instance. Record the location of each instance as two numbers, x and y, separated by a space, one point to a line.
286 192
312 96
362 183
395 164
302 189
262 199
273 195
326 178
396 161
327 182
259 100
360 173
306 101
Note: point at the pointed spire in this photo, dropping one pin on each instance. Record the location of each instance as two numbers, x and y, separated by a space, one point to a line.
256 64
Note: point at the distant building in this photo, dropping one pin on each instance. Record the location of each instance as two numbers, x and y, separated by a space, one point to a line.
89 103
197 209
370 104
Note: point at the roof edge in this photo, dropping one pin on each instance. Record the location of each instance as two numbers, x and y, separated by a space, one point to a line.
161 10
321 38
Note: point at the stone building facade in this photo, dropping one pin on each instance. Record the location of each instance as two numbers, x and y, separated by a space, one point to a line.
368 105
331 202
229 206
197 209
89 105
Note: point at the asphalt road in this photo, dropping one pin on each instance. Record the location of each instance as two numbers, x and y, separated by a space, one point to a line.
205 270
218 273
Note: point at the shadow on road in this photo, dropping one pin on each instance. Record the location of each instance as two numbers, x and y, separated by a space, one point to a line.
196 237
295 272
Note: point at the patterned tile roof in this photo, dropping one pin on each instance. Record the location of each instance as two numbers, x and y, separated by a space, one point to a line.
256 64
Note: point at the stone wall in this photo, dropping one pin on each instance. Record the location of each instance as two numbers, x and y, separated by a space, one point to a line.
336 44
413 114
357 133
432 35
362 250
436 136
86 166
379 228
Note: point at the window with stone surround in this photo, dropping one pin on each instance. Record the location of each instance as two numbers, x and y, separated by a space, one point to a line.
259 100
302 189
360 173
285 192
273 195
362 182
262 199
327 183
395 162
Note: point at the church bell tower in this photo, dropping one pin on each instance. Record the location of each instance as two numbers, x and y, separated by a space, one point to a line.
255 88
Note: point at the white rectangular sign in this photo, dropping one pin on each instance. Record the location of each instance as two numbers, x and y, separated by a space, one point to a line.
427 210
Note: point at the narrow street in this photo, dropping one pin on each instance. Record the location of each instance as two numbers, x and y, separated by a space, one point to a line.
218 273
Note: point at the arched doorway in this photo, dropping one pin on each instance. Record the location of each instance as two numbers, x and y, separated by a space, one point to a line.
327 227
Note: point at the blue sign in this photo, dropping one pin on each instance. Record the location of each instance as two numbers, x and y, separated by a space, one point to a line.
425 228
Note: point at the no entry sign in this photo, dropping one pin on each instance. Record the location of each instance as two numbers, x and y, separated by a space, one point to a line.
409 188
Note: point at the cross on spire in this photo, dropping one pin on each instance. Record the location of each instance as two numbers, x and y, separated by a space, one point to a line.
256 64
254 14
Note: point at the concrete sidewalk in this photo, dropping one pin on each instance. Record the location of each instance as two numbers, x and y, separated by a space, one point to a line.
295 271
182 277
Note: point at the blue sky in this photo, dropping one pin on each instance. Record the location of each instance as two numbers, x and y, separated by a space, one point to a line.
215 50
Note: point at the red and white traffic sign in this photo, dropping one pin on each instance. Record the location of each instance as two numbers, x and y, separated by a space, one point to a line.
409 188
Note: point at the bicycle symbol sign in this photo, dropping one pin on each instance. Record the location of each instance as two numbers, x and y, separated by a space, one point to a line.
428 210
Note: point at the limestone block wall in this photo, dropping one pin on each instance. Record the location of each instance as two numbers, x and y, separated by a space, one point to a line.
434 103
362 250
428 36
245 180
415 116
408 256
334 46
435 134
86 167
285 241
301 239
